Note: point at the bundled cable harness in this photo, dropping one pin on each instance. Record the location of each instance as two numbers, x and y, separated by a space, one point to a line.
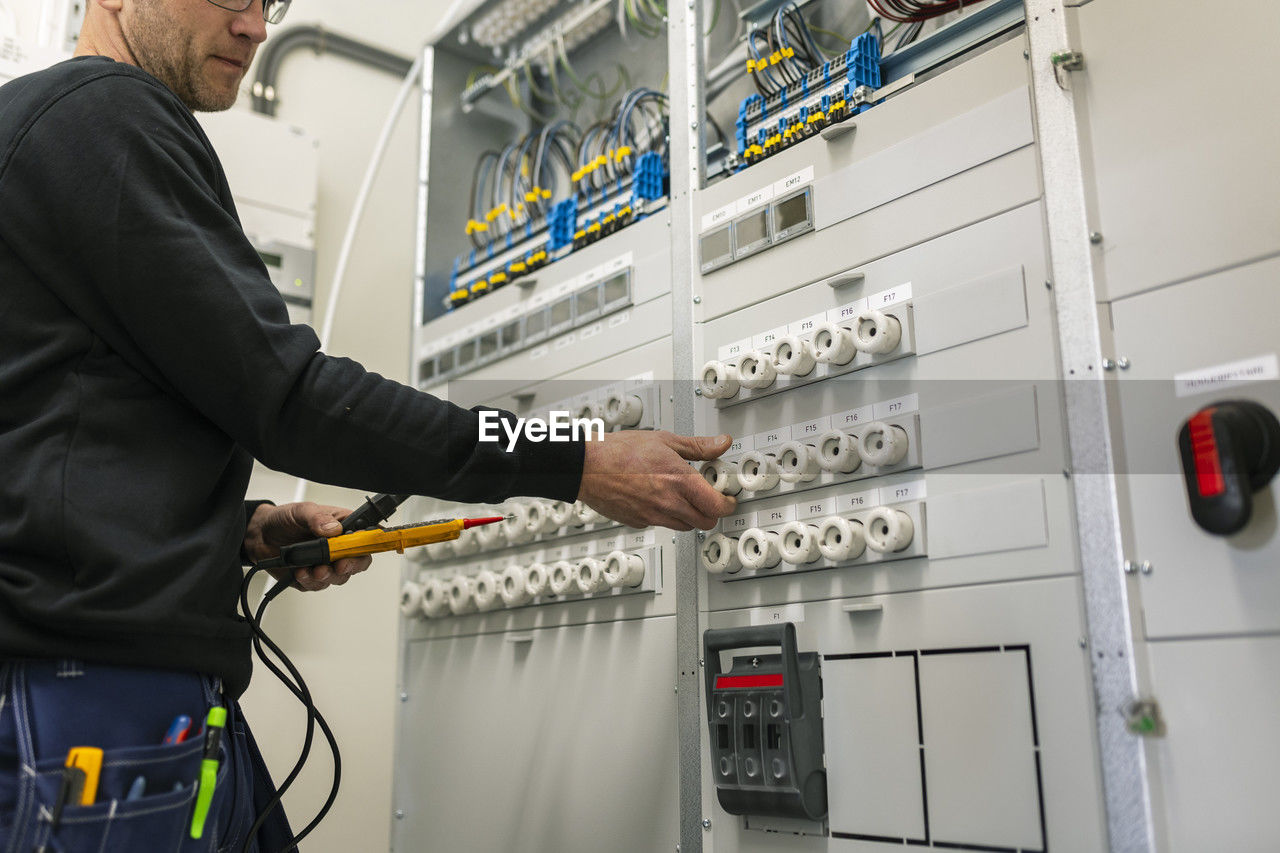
559 188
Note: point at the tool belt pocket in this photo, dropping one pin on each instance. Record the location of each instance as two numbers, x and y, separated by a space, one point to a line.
158 820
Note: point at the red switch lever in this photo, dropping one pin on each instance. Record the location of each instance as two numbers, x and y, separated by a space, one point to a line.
1229 451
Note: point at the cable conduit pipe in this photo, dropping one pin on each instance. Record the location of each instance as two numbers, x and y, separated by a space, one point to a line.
321 41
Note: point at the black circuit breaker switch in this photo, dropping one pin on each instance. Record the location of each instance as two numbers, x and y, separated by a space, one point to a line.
765 721
1229 451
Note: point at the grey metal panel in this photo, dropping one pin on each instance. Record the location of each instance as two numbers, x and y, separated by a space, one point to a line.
986 306
1009 517
1044 615
1218 768
1005 184
1183 152
552 740
981 426
984 133
1201 584
1097 505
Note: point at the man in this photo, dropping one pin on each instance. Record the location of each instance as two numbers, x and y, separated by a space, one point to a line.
145 358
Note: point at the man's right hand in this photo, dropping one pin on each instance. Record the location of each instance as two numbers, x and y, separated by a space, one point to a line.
642 478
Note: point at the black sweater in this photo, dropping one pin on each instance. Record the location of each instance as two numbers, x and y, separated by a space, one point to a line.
145 358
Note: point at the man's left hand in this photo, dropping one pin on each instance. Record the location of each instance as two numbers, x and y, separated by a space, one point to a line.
274 526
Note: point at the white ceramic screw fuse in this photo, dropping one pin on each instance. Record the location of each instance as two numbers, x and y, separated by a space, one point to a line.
537 580
560 515
461 595
591 409
757 471
758 549
468 542
876 333
723 476
889 529
583 514
882 444
719 380
492 535
833 344
514 590
793 356
435 598
590 574
564 578
838 452
840 539
797 462
756 370
798 543
446 549
536 521
411 599
487 590
623 570
623 410
422 556
516 524
720 555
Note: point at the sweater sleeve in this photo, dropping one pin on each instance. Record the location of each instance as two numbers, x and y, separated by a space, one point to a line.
153 260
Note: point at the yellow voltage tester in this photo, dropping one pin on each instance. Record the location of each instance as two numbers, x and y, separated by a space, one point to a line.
375 540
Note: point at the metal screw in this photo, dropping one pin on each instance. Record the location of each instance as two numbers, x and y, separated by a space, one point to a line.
1095 237
404 697
1026 54
399 814
1147 568
702 662
1082 643
1122 363
755 662
1130 567
693 125
676 689
706 823
1048 285
697 300
1108 364
697 392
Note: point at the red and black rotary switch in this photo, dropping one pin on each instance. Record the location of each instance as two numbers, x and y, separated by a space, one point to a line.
1229 451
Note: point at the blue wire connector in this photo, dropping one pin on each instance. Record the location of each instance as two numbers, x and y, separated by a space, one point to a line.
563 222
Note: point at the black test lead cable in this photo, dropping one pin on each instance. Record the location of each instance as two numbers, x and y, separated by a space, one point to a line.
371 513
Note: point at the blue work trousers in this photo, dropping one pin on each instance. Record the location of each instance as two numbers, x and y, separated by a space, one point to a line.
48 707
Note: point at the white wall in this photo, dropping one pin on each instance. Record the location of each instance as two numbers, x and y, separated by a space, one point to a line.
344 639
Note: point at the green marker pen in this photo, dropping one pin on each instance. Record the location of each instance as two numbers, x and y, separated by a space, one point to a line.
213 727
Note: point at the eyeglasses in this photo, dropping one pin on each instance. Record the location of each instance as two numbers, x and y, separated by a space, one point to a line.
273 11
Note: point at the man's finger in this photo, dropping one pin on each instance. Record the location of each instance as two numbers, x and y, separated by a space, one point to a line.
699 448
706 499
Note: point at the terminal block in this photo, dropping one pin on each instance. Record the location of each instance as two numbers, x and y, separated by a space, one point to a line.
765 721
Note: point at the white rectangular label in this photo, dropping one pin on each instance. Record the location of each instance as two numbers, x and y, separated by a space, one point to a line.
811 429
613 543
639 379
912 491
766 340
816 508
773 436
791 182
778 615
619 263
539 300
738 523
564 288
755 199
551 555
896 406
618 319
565 341
733 350
846 313
777 515
807 325
741 444
640 539
538 352
852 418
858 501
717 216
582 549
885 298
590 331
1226 375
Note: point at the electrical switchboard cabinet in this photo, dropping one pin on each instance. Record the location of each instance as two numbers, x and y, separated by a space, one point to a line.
983 332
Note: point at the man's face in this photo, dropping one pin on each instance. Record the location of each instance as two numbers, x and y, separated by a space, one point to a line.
199 50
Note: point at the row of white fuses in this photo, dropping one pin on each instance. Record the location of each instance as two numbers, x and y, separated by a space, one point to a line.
517 586
872 332
525 521
886 530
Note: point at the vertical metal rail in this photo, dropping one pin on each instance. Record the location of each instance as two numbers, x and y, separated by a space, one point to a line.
1124 773
419 296
688 165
